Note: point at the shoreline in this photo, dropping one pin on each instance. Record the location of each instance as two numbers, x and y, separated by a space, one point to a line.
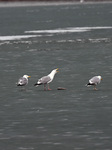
46 3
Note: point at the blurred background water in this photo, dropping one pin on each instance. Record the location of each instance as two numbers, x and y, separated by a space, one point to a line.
77 39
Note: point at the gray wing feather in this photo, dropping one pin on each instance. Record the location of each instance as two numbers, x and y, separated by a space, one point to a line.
44 80
22 81
94 80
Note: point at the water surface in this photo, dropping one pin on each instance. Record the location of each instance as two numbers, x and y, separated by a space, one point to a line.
77 39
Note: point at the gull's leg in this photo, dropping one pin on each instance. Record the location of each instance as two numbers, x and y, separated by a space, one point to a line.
95 87
48 87
44 87
23 89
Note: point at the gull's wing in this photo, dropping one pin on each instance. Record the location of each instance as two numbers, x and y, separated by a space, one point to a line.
22 81
44 80
94 80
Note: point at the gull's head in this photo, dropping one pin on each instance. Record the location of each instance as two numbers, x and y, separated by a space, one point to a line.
53 72
26 76
56 70
100 77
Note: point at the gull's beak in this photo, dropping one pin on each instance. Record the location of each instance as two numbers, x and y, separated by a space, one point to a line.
29 76
57 70
101 78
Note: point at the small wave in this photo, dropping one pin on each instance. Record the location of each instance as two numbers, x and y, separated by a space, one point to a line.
69 30
26 148
55 31
99 40
16 37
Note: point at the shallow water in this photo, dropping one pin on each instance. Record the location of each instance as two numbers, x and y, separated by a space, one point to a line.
77 40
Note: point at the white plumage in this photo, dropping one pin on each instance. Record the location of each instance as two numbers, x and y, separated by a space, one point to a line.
94 81
47 79
23 80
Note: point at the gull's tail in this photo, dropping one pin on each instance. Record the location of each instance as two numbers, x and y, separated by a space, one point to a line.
37 84
18 84
88 85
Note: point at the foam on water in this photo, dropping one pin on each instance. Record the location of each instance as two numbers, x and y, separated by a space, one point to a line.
16 37
69 30
52 32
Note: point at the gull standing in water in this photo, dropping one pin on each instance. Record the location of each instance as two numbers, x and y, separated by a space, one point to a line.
23 80
94 81
47 79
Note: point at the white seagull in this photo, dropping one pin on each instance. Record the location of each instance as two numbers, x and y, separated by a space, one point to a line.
94 81
23 80
47 79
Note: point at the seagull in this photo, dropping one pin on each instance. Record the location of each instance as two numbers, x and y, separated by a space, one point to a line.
47 79
23 80
94 81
